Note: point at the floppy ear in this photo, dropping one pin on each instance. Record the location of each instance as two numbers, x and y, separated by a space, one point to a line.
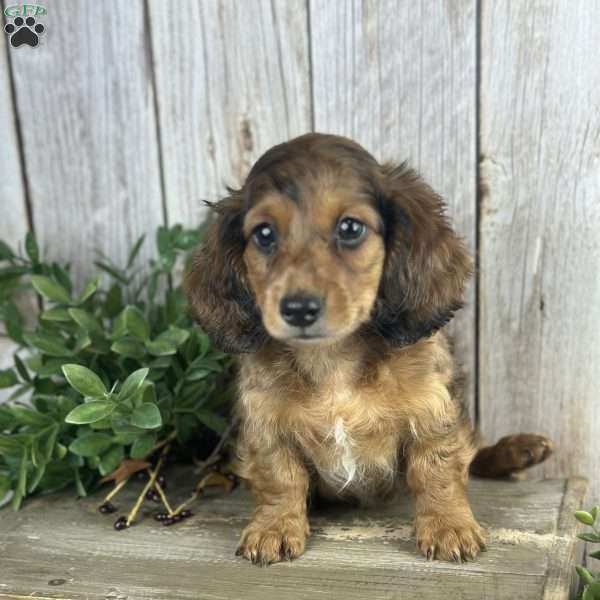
426 266
216 287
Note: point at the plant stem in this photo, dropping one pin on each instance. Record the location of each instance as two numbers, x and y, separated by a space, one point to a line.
163 498
153 475
118 487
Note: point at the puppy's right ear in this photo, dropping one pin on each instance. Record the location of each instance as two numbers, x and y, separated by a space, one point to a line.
216 286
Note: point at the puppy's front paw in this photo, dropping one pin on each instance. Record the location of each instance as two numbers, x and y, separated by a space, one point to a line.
264 544
447 538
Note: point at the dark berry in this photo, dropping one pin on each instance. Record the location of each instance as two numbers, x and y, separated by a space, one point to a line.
106 508
168 521
152 495
161 516
141 476
162 482
121 523
186 514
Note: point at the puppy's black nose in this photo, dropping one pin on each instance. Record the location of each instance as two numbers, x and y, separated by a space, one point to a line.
300 310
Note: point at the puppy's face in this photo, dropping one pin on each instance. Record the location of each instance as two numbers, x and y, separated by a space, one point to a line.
314 258
320 241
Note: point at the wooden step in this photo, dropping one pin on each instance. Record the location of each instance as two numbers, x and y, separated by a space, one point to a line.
60 547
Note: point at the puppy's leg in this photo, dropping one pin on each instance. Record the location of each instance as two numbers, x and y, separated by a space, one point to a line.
279 482
511 455
437 473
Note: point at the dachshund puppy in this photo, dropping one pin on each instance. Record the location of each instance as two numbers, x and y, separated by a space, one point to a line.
332 276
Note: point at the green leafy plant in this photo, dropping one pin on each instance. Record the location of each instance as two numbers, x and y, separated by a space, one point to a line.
109 376
590 580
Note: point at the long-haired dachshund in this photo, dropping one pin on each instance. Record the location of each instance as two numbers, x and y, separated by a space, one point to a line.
332 276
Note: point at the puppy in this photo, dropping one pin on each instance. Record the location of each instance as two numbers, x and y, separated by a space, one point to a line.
332 276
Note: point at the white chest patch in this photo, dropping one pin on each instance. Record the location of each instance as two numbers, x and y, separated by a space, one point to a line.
346 470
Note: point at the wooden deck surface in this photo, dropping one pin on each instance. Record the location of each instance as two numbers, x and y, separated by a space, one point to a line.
60 547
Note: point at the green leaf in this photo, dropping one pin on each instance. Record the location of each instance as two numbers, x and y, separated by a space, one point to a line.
135 250
143 445
88 292
90 444
146 416
129 347
595 511
21 488
56 313
47 344
5 485
162 347
592 591
31 248
13 321
136 323
595 554
132 384
81 491
8 378
584 517
111 459
86 382
37 477
112 271
212 421
50 289
11 273
90 412
5 254
113 304
29 417
62 277
10 445
589 537
85 320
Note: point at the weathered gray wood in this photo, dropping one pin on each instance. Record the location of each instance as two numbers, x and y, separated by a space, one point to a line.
85 99
540 227
61 548
13 224
399 77
232 80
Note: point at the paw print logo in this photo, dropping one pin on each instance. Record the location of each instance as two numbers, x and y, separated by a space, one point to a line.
24 31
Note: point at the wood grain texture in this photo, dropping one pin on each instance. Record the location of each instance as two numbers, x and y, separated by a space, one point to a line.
13 224
540 227
232 80
57 547
399 77
85 99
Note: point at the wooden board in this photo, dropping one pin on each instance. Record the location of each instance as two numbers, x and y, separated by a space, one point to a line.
13 225
540 227
85 100
57 547
399 77
232 80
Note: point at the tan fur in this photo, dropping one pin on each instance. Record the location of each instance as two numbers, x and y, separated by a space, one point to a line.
377 392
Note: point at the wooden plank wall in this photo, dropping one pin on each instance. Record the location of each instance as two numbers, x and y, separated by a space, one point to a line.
540 227
129 114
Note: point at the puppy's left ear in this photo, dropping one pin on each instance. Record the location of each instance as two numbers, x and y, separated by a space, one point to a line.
219 296
426 266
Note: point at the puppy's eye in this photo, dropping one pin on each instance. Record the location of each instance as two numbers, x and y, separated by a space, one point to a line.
264 237
350 232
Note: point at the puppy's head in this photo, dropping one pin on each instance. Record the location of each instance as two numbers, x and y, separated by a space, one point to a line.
322 241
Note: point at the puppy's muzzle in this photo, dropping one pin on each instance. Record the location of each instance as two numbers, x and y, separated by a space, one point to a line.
300 310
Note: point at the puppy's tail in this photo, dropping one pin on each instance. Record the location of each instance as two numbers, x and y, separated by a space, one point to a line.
511 455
